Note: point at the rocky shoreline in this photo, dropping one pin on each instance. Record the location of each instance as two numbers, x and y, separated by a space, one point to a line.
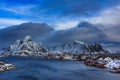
104 61
6 66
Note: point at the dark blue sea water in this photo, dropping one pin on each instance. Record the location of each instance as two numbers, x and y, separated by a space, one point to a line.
36 68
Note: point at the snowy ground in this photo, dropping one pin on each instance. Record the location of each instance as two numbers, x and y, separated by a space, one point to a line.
113 64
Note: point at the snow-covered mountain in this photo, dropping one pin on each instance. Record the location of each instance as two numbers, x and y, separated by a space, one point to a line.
26 47
78 47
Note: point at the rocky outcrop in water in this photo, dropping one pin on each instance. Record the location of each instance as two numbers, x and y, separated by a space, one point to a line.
6 66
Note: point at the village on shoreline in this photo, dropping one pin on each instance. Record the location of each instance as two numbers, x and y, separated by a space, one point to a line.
99 61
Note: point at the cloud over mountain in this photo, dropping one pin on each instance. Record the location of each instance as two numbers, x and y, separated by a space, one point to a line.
42 32
35 30
84 32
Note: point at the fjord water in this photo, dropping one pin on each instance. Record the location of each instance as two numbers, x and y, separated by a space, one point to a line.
36 68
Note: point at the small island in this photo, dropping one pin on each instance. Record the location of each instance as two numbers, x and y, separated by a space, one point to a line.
6 66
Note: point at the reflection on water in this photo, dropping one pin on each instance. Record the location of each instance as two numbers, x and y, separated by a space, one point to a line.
35 68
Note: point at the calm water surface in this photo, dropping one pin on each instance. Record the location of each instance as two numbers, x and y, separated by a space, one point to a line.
35 68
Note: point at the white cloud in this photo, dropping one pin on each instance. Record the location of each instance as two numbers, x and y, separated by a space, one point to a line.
24 9
108 17
5 22
66 25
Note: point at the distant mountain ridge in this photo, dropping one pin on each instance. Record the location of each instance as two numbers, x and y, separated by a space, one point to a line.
28 47
35 30
84 24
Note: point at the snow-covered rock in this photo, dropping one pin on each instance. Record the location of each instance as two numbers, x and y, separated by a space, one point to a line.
68 57
107 59
26 47
6 66
113 64
100 59
55 52
83 57
78 47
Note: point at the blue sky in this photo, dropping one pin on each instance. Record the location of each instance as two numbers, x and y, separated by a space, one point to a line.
60 14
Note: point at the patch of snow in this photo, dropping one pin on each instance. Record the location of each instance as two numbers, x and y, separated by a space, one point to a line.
7 65
80 42
55 52
67 57
113 64
107 59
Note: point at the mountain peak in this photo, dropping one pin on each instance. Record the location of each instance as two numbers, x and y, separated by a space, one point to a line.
84 24
27 38
80 42
26 47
